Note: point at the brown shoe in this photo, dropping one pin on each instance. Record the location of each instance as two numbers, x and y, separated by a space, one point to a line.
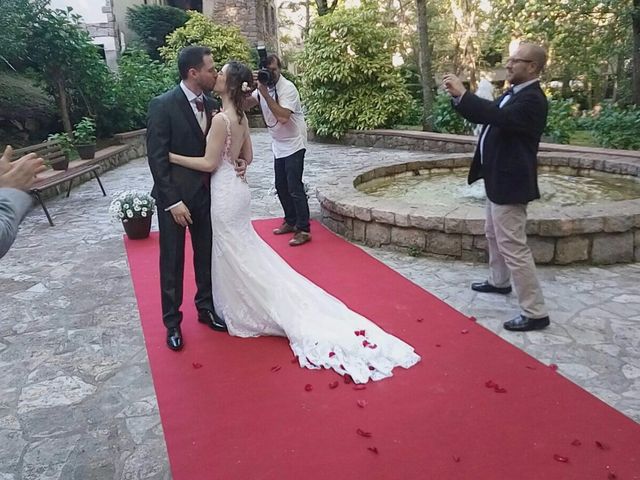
284 228
300 238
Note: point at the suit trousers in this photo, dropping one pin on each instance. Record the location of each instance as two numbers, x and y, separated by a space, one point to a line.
172 242
510 258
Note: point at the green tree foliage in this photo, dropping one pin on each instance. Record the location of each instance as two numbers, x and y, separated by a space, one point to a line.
67 61
226 42
349 81
152 24
15 21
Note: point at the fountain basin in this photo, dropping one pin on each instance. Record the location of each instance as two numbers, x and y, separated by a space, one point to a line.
602 231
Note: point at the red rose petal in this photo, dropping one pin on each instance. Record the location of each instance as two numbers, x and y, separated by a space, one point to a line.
438 345
196 365
576 443
372 346
332 354
601 445
308 387
359 333
560 458
456 459
276 368
373 449
365 343
490 384
464 332
362 433
612 476
347 378
499 389
333 385
419 320
553 367
361 403
473 319
359 387
372 368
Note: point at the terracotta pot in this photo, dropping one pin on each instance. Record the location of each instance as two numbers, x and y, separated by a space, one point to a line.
86 152
138 227
61 164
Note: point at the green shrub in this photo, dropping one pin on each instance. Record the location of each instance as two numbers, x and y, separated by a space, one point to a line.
152 24
446 119
349 81
412 114
65 142
561 121
84 132
617 127
139 79
226 42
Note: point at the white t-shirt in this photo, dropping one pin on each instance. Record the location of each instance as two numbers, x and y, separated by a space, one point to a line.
287 138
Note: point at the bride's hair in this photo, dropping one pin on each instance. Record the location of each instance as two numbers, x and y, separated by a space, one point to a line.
239 84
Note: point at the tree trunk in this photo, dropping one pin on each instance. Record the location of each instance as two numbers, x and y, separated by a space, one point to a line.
63 105
426 75
635 15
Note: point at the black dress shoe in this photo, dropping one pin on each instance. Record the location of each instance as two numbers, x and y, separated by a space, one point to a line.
174 339
525 324
212 320
486 287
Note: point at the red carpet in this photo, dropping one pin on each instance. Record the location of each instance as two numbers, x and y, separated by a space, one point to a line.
238 409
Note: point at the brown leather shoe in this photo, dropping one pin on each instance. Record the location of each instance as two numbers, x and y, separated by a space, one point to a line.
300 238
284 228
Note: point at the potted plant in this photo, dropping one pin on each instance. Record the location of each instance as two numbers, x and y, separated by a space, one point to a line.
84 138
134 209
66 146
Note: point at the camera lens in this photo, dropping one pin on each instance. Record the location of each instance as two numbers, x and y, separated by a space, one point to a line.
264 76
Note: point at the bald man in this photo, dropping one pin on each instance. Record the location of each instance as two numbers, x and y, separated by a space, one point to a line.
506 158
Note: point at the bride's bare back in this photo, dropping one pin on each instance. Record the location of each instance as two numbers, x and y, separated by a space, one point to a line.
238 132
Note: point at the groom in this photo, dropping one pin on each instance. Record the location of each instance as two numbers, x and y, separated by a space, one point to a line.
178 121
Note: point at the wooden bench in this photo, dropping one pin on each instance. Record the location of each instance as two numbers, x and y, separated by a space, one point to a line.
61 171
53 178
51 152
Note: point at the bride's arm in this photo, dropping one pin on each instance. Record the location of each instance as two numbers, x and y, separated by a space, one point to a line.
212 155
246 151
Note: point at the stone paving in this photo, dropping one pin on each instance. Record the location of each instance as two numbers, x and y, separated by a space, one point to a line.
76 396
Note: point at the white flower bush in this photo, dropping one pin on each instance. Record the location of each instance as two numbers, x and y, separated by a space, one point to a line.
131 204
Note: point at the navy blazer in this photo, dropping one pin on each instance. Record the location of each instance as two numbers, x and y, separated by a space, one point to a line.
172 127
509 164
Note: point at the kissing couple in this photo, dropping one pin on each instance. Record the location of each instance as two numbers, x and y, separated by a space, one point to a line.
198 158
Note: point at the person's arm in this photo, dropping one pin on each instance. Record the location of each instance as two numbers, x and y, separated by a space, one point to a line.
250 102
212 155
158 144
246 151
14 205
281 113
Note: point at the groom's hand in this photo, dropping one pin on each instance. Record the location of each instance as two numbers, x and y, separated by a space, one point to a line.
241 167
181 215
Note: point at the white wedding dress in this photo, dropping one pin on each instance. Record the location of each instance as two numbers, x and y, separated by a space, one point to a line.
258 293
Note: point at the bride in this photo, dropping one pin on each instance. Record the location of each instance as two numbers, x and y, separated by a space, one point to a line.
256 292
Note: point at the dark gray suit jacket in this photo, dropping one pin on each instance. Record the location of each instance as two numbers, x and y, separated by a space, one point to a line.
14 205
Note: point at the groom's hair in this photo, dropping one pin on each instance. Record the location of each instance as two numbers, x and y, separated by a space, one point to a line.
191 57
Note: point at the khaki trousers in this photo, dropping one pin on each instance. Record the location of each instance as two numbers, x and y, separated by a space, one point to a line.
510 258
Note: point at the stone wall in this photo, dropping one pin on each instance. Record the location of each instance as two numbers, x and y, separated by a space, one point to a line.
257 19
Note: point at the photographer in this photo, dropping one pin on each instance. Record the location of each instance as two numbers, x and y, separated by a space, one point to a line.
279 101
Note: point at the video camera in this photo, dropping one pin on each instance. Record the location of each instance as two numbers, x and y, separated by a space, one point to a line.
264 74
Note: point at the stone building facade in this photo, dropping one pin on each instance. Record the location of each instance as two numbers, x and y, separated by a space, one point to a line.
257 19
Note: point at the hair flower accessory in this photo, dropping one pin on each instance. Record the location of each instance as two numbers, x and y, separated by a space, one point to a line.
245 87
